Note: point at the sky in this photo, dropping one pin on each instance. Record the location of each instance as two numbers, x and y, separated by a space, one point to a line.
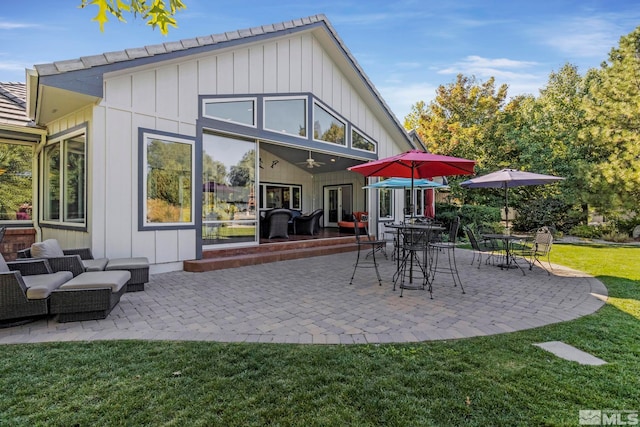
407 48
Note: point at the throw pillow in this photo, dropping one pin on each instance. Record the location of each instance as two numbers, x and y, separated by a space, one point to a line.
47 249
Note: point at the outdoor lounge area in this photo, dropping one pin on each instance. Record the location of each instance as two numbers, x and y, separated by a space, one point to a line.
202 306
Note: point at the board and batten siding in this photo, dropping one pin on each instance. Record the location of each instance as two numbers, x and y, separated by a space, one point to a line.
164 96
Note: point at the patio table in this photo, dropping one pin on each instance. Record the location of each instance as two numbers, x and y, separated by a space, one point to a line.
507 239
417 233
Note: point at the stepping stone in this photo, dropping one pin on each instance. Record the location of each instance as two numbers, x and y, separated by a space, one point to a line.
569 352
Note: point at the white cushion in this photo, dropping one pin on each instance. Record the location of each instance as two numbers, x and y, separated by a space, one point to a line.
47 249
4 268
99 279
126 263
39 286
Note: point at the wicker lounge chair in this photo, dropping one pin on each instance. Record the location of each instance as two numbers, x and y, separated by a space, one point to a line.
25 288
81 260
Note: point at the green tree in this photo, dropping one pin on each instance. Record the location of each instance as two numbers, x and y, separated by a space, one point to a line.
612 133
545 133
156 13
463 121
15 179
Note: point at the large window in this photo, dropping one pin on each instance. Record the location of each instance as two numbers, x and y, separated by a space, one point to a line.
327 127
15 182
65 180
228 190
288 116
168 181
241 111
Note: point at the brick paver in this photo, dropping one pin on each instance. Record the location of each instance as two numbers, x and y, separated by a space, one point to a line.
310 301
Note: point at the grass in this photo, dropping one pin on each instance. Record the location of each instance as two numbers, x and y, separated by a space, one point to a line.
497 380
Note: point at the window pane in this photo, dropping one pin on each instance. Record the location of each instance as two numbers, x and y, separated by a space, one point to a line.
74 179
169 175
231 111
52 182
385 203
15 182
286 116
361 143
228 196
326 127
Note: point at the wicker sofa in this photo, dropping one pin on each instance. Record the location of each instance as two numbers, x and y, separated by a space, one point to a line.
81 260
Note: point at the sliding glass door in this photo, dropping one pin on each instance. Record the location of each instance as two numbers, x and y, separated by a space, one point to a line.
228 190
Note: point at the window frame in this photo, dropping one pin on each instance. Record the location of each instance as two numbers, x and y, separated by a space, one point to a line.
336 116
365 137
390 215
291 187
266 99
143 137
210 100
61 140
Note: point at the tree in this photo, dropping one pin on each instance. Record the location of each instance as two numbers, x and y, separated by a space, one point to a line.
155 13
612 111
463 121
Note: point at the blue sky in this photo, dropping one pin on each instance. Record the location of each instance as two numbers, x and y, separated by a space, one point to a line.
406 47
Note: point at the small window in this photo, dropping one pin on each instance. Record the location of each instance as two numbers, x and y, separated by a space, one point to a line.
385 205
64 191
327 127
288 116
168 181
241 111
360 142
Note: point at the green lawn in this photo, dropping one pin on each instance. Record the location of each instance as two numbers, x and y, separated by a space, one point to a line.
487 381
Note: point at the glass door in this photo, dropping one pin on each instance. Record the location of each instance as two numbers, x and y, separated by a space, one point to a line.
337 204
228 190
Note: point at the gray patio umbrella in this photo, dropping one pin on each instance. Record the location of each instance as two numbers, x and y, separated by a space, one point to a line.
507 178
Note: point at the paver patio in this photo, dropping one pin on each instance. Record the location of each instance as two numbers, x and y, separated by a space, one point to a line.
310 301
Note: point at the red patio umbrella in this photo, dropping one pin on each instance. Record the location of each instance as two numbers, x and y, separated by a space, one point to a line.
416 164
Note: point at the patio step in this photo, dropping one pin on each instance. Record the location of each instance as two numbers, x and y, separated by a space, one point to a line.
269 252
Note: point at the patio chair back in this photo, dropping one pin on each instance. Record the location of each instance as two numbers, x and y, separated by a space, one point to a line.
543 241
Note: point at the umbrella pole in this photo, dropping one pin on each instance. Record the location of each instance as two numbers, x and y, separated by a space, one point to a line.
506 206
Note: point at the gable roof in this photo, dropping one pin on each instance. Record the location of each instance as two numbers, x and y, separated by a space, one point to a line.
85 75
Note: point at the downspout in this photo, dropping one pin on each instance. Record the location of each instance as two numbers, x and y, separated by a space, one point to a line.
35 204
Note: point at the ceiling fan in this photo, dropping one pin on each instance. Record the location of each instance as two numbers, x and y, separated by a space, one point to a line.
311 162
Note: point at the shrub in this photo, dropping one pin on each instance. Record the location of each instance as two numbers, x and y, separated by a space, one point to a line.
547 211
616 236
469 214
586 231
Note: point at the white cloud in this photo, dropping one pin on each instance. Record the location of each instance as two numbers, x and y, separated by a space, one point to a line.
400 98
14 25
582 37
522 77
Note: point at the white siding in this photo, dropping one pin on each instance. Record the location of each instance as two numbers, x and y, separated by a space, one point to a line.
165 97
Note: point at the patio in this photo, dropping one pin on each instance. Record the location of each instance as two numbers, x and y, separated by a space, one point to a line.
305 302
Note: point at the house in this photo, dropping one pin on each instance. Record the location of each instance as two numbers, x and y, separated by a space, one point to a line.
168 150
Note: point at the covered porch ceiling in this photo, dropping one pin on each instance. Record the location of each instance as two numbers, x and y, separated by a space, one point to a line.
331 162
